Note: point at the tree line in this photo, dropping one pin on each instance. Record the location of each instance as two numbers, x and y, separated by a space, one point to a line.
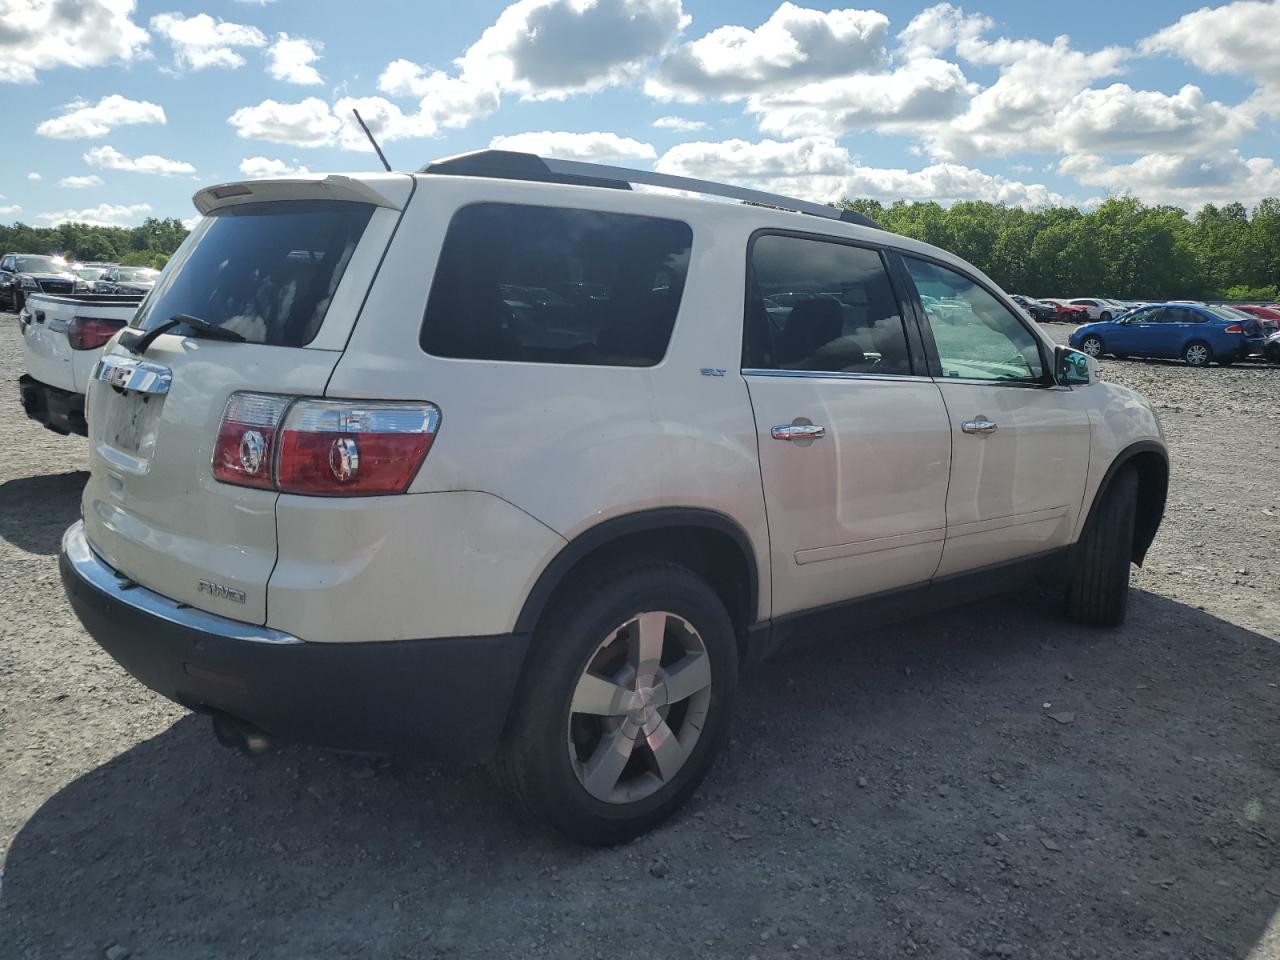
1123 248
146 246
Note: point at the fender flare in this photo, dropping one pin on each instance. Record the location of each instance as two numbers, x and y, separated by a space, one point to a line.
1125 456
644 521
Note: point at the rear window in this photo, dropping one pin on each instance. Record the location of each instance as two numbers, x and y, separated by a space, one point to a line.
553 285
268 271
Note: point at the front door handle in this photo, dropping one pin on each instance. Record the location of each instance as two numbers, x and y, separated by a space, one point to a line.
980 425
800 430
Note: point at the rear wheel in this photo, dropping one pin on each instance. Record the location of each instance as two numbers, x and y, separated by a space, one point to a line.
1197 354
1104 316
1092 345
1098 587
1272 353
625 704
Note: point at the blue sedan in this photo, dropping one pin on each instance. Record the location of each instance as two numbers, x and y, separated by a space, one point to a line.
1197 334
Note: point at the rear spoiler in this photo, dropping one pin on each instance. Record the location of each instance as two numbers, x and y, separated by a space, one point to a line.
390 190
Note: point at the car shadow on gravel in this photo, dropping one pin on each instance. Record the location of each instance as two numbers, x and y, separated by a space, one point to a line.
988 782
34 511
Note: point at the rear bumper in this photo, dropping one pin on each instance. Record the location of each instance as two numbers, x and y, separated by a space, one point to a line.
446 698
60 410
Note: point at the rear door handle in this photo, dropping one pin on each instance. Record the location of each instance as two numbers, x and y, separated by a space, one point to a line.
798 431
979 425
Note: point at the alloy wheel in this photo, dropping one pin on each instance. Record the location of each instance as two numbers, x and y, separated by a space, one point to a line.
639 707
1197 355
1092 346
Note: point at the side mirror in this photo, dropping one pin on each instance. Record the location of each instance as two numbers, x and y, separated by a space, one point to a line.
1073 368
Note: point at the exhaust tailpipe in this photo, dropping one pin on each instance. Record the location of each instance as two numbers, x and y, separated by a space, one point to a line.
240 735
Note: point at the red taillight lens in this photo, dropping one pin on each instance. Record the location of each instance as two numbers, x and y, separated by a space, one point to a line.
342 448
323 447
1234 328
246 443
90 333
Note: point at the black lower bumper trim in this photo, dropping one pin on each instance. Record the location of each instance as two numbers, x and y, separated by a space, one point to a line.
60 410
444 698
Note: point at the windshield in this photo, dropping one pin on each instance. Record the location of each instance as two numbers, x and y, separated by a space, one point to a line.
41 265
89 273
138 273
265 270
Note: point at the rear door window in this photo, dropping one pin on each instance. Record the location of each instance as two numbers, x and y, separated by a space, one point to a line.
822 306
556 285
268 271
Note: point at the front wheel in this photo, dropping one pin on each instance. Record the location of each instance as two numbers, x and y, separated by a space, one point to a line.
1092 345
625 704
1272 353
1197 354
1098 587
1104 316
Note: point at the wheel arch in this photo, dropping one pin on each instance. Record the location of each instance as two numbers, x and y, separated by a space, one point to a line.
712 544
1151 460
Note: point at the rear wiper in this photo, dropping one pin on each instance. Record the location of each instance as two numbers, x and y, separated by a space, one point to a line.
138 344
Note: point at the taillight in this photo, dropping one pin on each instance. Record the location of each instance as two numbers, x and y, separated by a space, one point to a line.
1234 328
246 442
323 447
90 333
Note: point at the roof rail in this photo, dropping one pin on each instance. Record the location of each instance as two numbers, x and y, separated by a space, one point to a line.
512 165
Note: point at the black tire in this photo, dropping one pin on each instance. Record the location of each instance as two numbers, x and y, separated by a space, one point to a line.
1093 338
1105 316
1098 586
1273 354
534 759
1197 353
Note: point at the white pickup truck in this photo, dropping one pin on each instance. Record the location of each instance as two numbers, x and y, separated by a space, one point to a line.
62 338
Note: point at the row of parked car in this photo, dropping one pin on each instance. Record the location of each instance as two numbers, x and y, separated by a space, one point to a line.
22 274
1196 333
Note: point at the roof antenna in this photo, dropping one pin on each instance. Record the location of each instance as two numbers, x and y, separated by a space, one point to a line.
365 127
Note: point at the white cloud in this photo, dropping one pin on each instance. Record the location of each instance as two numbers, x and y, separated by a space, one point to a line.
79 183
1233 38
309 123
292 59
795 44
940 28
444 101
1037 81
10 210
103 215
817 168
256 167
201 41
33 176
1187 180
82 119
385 120
679 124
40 35
1121 119
920 92
109 158
595 147
547 49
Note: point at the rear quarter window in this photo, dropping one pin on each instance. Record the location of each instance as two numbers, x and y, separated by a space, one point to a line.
556 285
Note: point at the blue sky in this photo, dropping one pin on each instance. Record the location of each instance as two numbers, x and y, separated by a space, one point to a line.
123 109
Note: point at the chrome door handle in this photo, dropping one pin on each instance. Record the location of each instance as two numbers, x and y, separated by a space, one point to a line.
980 425
798 431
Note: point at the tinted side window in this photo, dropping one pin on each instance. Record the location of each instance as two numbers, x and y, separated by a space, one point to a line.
821 306
551 285
977 337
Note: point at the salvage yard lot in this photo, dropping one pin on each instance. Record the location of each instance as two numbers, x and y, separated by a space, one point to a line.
993 781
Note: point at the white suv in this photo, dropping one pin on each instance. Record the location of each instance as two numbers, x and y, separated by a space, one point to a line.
506 460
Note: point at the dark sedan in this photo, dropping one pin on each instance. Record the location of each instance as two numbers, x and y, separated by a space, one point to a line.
1036 310
127 280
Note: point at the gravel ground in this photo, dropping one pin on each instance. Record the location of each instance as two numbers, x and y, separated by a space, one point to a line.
907 793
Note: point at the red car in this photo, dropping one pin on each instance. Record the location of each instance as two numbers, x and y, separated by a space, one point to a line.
1065 312
1262 313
